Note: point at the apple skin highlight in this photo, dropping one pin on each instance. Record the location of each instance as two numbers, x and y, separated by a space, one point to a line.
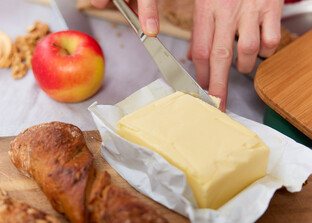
69 66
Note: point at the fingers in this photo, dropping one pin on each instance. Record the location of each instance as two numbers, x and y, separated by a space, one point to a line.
221 59
202 37
100 3
148 16
270 34
248 43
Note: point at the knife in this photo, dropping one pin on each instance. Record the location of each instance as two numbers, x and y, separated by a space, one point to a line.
70 17
172 71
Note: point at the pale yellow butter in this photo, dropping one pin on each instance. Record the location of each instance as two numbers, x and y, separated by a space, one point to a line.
218 155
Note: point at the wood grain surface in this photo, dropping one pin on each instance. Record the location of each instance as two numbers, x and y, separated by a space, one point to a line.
284 207
284 83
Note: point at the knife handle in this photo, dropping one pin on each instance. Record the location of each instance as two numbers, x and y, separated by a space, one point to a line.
130 16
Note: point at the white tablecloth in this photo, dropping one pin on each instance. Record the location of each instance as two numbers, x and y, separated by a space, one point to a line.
128 68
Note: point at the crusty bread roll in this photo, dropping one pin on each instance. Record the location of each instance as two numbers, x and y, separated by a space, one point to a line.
14 211
56 156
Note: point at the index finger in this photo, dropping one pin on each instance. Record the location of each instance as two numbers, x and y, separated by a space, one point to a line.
221 60
148 16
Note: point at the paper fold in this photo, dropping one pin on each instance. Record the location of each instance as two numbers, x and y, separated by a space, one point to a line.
290 164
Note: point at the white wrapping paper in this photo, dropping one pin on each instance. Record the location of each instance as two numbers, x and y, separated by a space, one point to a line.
290 164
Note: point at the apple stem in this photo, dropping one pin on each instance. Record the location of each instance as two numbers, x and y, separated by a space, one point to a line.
63 49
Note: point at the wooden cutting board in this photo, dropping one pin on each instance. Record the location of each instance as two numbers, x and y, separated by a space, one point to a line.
284 207
24 189
284 83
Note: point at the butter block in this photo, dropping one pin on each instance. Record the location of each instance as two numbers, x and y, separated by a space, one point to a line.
219 156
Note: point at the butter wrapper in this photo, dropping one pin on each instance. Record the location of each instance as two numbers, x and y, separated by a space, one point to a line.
290 164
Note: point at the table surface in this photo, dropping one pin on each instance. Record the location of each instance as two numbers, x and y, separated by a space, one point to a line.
128 68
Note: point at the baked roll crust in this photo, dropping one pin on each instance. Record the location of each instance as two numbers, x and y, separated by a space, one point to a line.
56 156
14 211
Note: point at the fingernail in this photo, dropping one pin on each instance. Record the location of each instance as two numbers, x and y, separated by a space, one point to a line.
151 27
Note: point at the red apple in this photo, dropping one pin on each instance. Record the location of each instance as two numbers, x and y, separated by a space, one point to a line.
69 65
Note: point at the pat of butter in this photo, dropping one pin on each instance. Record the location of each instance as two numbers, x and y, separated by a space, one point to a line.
219 156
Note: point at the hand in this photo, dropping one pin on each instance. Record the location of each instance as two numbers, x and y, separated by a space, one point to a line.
147 11
216 22
215 25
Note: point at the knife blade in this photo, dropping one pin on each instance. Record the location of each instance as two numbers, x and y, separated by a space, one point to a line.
70 17
170 68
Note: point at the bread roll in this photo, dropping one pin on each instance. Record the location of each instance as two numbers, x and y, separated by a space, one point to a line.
56 156
14 211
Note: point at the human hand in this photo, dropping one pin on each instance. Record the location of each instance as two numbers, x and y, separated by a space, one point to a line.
216 22
147 12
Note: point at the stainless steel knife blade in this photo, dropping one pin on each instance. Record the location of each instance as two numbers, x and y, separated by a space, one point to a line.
170 68
173 72
70 17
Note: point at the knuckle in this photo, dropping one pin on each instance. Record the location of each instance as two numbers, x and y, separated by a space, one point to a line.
200 53
222 53
271 42
248 47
